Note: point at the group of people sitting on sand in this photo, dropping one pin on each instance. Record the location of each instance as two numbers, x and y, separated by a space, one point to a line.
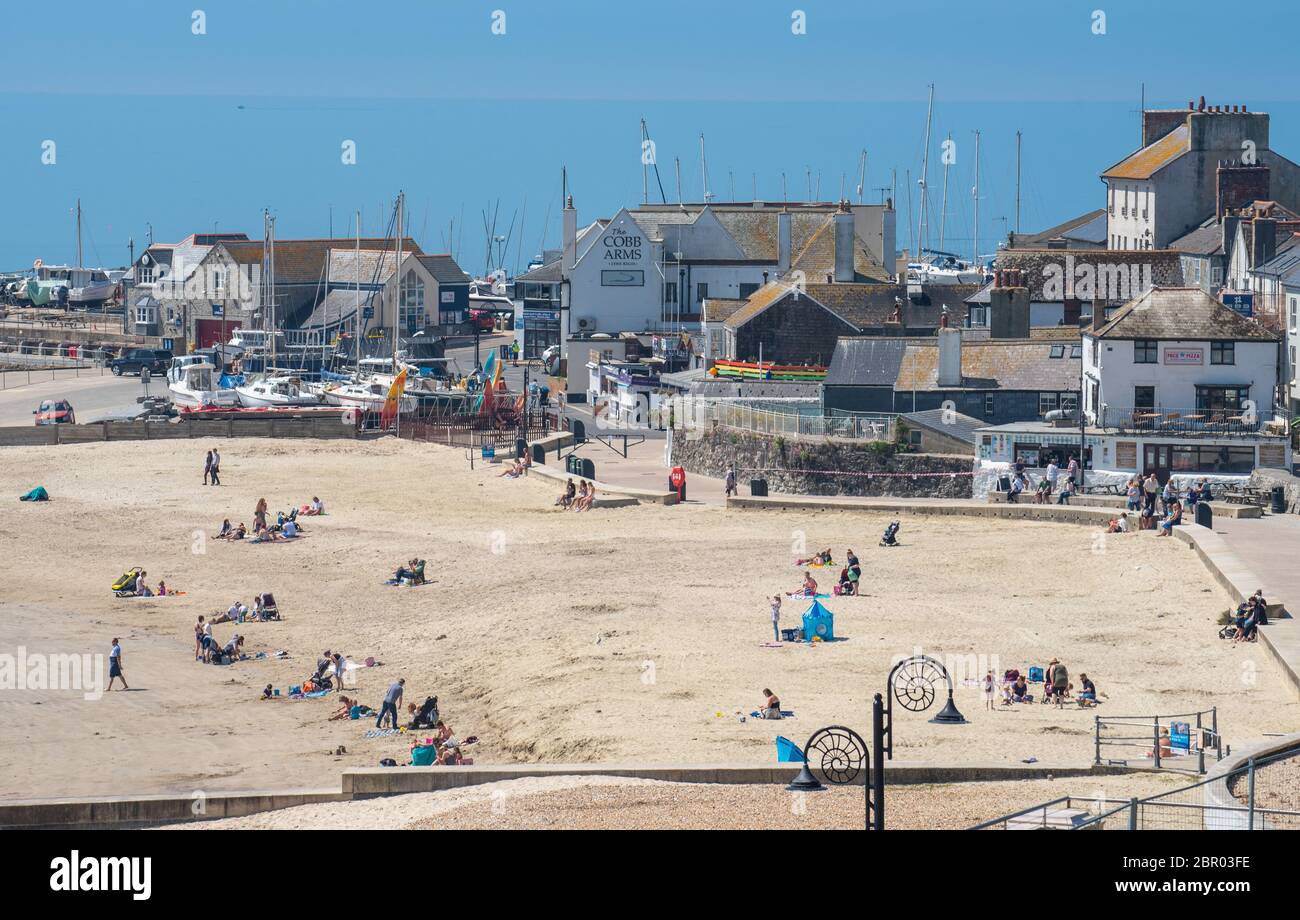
1017 686
577 499
1247 619
519 468
142 588
850 574
285 526
208 650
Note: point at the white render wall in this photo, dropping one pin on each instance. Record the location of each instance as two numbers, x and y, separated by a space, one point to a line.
1256 364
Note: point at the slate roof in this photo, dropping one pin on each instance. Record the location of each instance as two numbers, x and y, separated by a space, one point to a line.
816 257
1180 313
947 422
992 364
1166 265
1152 158
871 305
1205 240
444 268
337 304
759 301
304 261
1089 227
866 362
372 266
719 309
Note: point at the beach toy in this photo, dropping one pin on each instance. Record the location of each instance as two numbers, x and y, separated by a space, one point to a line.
787 751
275 692
818 623
295 690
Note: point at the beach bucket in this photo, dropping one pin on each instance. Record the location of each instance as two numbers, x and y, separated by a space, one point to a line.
787 751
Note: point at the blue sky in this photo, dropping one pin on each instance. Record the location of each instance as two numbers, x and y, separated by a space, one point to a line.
157 126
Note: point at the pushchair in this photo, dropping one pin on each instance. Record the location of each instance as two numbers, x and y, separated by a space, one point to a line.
264 607
127 585
891 535
427 715
321 680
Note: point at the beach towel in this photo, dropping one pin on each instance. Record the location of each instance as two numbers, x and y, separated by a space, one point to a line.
37 494
381 732
808 596
785 714
317 693
424 756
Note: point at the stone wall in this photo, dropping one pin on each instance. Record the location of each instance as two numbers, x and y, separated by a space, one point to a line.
1265 478
819 467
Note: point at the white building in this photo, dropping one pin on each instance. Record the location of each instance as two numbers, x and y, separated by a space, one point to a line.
651 268
1167 188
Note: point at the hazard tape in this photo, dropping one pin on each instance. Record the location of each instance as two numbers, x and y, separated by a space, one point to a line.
851 473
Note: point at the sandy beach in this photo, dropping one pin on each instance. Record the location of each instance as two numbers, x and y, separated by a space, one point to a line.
618 635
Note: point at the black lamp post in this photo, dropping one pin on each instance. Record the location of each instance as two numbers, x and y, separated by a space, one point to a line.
912 683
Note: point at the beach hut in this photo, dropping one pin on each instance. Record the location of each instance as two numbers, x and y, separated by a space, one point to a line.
819 622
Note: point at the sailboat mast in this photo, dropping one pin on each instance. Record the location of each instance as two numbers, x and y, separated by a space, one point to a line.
704 170
925 173
1017 181
943 212
357 318
397 271
975 192
80 263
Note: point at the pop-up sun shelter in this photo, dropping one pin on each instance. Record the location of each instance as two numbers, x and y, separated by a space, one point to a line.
819 622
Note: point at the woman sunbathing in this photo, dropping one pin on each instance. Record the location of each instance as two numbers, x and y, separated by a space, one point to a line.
265 536
345 709
226 531
514 471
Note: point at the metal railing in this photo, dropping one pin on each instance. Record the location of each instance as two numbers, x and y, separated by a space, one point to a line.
784 420
1193 422
1174 742
1261 794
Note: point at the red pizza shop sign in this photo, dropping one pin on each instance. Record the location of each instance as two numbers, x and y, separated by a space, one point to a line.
1184 356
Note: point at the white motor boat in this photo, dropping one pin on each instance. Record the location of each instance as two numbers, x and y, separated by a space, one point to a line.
275 392
367 395
198 388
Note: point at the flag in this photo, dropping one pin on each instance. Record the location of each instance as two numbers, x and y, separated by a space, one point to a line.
393 401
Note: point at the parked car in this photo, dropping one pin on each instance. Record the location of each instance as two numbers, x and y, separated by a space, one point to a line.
135 360
55 412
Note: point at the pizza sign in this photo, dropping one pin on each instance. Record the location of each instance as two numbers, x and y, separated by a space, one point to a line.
1184 355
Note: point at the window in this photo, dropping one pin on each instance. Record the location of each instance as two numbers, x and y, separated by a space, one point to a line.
747 290
701 291
145 274
670 292
1223 352
1216 275
1144 398
1223 460
218 281
1076 351
1221 399
144 315
1058 351
1047 402
989 407
1069 402
410 310
1145 351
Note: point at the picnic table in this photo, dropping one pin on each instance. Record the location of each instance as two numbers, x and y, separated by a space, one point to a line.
1245 495
1109 488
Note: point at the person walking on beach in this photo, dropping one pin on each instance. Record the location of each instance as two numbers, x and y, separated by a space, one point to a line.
731 481
115 665
776 617
987 689
391 700
216 467
207 468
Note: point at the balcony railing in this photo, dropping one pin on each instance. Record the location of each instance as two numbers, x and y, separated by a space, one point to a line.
1193 422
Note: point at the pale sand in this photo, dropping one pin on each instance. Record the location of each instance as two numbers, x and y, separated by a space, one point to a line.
625 803
617 635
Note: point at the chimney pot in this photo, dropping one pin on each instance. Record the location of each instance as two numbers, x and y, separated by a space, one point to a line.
1201 105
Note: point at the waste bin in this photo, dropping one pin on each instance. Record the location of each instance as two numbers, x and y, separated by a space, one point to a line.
579 431
586 469
539 454
758 487
1204 514
521 448
1279 500
1004 483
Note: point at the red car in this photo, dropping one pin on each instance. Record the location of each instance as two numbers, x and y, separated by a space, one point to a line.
55 412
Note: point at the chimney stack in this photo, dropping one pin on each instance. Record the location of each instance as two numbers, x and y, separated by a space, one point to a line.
1098 313
844 243
1009 305
782 242
949 358
570 234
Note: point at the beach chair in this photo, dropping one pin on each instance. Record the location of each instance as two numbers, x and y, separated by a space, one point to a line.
1035 675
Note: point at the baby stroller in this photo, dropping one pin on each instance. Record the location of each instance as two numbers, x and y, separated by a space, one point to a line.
891 535
126 586
427 715
321 680
265 608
